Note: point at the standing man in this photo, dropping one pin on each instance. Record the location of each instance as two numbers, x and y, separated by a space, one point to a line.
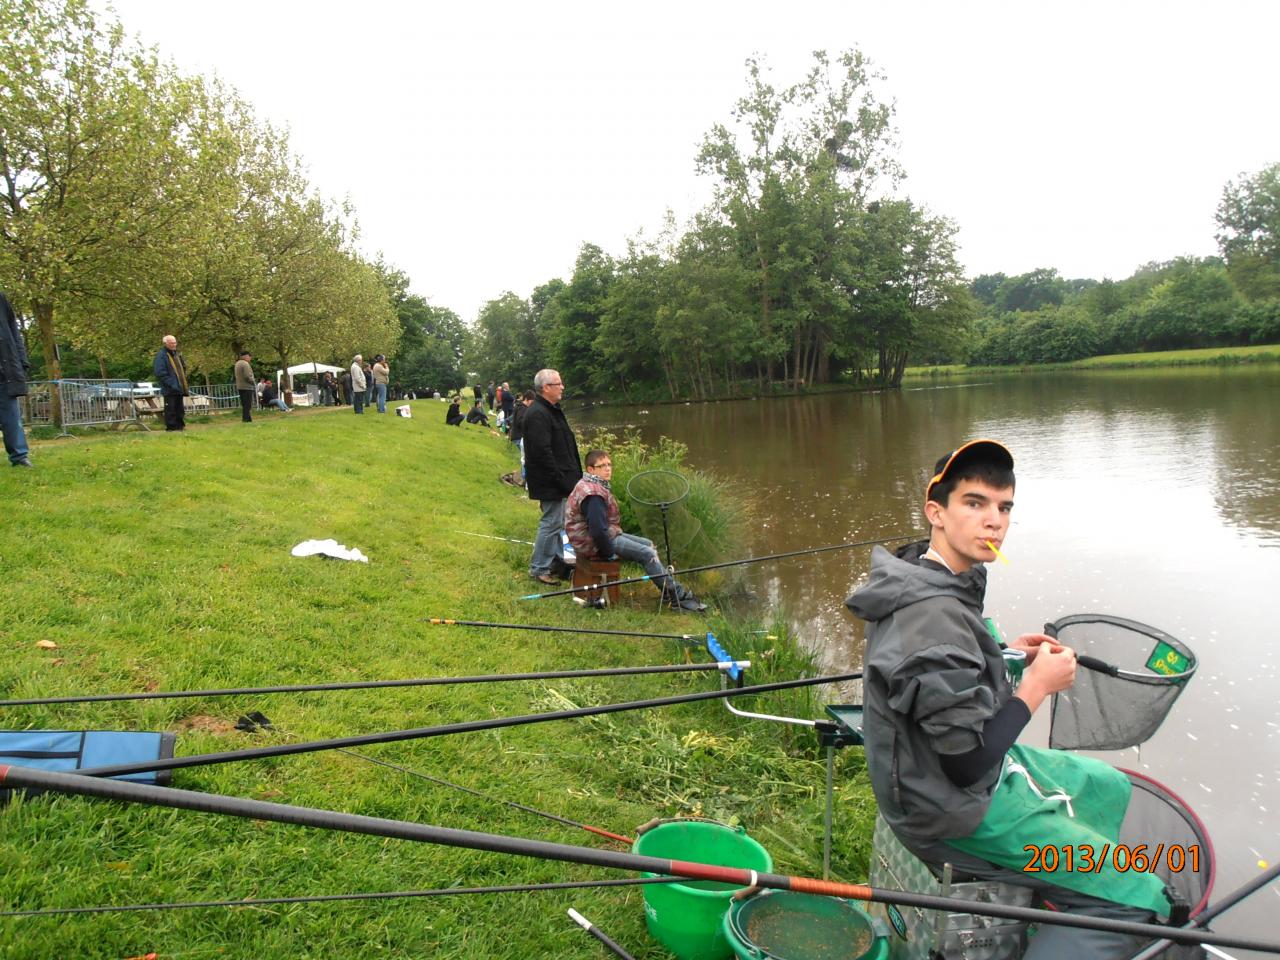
489 393
381 378
508 405
552 468
171 370
14 367
358 383
245 385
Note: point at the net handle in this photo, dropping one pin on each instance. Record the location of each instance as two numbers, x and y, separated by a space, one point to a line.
1093 663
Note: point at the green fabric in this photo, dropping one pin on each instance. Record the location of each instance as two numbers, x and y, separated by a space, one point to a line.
1017 818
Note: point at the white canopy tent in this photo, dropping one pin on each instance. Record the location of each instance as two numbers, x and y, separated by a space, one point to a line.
309 367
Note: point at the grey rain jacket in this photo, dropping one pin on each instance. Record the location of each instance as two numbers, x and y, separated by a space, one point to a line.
932 678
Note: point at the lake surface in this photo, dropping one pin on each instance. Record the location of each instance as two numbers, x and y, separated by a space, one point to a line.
1151 495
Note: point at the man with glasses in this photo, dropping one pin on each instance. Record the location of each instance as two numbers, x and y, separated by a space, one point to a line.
592 525
552 469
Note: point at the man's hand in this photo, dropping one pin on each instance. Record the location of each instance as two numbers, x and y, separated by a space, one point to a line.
1053 672
1029 643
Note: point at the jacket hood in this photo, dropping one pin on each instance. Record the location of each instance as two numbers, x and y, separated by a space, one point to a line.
898 580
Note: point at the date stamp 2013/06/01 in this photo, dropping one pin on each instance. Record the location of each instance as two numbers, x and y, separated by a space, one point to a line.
1085 858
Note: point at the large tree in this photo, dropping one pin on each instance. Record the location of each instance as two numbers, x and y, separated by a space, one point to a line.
1249 232
97 140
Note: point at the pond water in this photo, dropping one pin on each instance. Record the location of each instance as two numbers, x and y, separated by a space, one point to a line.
1151 495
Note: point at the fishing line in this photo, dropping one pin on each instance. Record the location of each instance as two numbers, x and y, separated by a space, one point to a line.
718 566
598 831
256 753
123 790
368 684
341 897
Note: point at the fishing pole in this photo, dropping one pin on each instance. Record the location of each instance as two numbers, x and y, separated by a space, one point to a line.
124 790
436 621
599 934
376 684
598 831
1226 903
718 566
342 897
256 753
488 537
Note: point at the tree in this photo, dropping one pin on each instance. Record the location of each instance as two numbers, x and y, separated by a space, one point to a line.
1031 291
431 346
1249 232
96 146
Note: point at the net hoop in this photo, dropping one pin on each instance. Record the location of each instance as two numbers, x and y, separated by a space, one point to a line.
1154 633
681 484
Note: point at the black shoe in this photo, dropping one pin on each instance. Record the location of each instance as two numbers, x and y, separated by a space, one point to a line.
24 462
685 601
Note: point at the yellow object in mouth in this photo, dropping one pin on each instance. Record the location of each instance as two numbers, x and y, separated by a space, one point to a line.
996 551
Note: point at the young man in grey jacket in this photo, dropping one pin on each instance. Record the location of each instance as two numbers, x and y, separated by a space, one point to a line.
942 717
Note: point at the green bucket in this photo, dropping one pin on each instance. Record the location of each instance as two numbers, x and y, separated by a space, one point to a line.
781 925
686 917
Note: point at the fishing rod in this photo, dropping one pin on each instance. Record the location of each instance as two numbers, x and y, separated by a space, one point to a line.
718 566
257 753
598 831
599 934
342 897
436 621
1226 903
377 684
488 537
127 791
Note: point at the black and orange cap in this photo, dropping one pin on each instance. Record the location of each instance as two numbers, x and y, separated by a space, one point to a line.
973 450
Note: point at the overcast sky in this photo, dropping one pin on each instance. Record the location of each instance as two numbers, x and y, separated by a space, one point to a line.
482 143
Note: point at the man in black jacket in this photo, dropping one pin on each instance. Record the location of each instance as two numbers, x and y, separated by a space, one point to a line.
552 468
13 384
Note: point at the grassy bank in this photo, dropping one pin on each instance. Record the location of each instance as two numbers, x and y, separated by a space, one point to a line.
161 561
1205 356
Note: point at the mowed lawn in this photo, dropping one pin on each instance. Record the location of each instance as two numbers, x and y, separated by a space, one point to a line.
153 561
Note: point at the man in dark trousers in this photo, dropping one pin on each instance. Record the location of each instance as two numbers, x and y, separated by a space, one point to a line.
13 384
171 371
552 468
245 385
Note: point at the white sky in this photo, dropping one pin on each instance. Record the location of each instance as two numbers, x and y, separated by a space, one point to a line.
482 143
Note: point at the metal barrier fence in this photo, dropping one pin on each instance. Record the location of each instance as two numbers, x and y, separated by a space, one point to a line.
214 397
102 403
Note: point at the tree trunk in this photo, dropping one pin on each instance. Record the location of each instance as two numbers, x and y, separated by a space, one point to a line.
52 365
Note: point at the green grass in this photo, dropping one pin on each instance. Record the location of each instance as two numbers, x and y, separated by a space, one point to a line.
1203 356
161 561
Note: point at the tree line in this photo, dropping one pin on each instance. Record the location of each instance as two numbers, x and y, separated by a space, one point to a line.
1232 299
138 201
803 268
806 269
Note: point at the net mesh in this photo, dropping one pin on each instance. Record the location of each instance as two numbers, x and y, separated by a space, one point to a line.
1114 711
1176 843
657 496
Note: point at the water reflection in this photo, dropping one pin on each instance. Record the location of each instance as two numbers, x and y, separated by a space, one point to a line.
1153 495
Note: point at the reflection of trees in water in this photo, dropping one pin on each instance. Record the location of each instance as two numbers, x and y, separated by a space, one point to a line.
1247 459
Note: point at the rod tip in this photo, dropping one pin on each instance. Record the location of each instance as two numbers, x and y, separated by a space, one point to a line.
579 919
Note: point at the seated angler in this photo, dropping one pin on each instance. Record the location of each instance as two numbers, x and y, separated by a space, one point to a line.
591 522
477 415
